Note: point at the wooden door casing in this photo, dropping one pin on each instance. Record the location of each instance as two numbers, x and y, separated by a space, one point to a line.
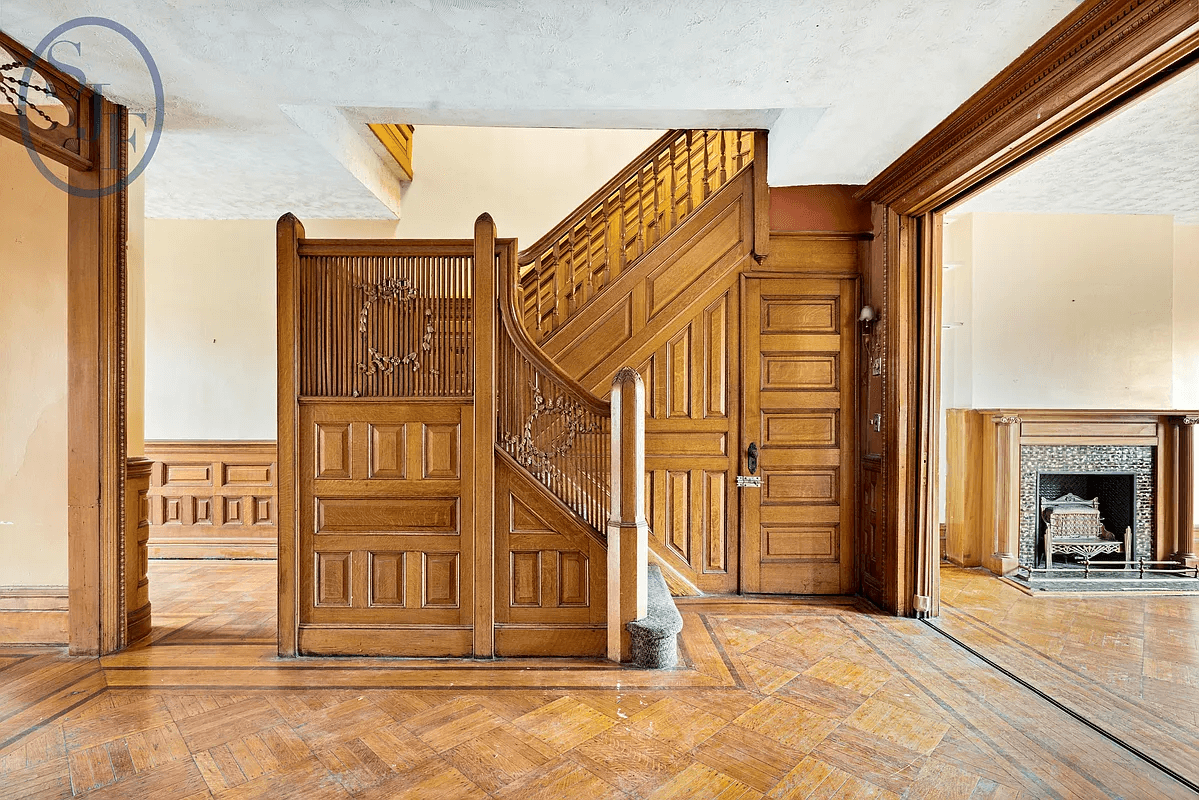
386 522
799 391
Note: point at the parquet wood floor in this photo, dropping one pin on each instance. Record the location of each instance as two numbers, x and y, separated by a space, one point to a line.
1128 663
777 699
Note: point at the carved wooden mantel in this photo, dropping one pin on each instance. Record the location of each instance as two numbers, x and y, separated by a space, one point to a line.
982 513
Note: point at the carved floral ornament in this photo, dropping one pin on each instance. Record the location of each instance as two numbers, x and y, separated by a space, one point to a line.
1190 420
404 295
530 448
1010 419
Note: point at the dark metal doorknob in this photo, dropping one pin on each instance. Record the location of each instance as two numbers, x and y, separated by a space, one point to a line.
751 458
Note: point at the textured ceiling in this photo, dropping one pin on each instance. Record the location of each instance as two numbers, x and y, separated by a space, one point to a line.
845 87
1144 160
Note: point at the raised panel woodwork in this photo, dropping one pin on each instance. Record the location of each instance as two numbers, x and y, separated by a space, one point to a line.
190 474
684 267
800 429
387 579
333 451
388 452
612 330
800 316
683 444
715 521
333 579
525 520
232 516
803 372
442 452
811 486
678 512
439 580
247 474
526 579
678 375
716 359
574 581
423 515
800 543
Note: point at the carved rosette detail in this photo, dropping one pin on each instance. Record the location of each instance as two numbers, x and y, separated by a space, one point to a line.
404 295
1011 419
1190 420
536 455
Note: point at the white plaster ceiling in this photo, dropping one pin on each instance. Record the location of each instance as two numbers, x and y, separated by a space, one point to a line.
1143 160
260 96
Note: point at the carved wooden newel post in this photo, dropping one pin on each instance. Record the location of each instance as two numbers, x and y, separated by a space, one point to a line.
628 531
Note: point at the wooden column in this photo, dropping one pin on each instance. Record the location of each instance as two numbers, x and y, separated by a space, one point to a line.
96 442
485 357
1184 529
628 530
137 537
1006 538
288 234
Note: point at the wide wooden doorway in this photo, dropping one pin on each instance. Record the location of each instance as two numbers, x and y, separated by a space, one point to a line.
798 401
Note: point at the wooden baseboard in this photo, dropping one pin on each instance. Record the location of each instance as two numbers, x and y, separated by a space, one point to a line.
33 615
212 547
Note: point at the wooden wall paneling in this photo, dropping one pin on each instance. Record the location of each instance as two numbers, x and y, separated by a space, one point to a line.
289 232
137 536
963 487
213 499
1102 56
96 438
34 615
551 572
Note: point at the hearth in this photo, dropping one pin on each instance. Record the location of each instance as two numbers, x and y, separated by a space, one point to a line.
1113 495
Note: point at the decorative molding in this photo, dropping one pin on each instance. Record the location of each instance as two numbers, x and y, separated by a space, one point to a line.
528 448
213 499
1190 420
1095 60
1010 419
33 615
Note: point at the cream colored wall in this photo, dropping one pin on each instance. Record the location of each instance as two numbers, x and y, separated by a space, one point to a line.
528 179
210 324
135 318
1186 316
1071 311
33 386
210 284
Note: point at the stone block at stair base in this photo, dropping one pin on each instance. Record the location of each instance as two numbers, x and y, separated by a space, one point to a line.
655 637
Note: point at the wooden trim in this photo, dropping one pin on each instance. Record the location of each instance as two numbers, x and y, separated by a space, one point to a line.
628 529
96 436
137 535
71 146
385 247
1099 57
33 615
397 140
484 330
761 193
289 232
213 499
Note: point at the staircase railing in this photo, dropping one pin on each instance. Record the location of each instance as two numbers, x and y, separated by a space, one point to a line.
619 224
547 421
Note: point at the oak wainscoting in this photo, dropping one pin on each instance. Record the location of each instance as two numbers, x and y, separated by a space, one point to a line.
213 499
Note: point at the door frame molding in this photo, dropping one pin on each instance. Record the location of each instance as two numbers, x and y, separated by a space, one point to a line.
1103 56
96 354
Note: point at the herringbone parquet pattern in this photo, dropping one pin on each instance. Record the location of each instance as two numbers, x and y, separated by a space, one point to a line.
787 699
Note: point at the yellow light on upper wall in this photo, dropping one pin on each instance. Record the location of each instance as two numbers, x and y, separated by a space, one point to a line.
398 141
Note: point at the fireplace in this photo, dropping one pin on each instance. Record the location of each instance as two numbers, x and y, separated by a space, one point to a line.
1120 476
1115 496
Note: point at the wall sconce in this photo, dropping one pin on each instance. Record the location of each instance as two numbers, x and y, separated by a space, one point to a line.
871 343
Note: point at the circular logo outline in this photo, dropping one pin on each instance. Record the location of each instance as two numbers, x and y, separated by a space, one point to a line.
159 106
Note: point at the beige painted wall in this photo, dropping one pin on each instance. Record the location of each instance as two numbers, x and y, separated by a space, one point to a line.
210 324
528 179
1186 317
33 357
1069 311
210 284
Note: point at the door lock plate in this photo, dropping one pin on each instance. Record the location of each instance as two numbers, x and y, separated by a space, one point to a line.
749 481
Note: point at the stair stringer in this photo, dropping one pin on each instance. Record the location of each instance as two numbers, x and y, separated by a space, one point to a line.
687 349
551 571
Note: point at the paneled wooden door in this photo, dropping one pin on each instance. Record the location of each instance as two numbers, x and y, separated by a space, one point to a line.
798 396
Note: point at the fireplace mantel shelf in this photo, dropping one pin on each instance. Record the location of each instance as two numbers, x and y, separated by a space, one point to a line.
984 446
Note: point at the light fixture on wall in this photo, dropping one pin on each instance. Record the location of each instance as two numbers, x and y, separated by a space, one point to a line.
871 343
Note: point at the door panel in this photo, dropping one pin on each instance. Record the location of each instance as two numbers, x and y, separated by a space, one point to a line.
798 396
386 527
